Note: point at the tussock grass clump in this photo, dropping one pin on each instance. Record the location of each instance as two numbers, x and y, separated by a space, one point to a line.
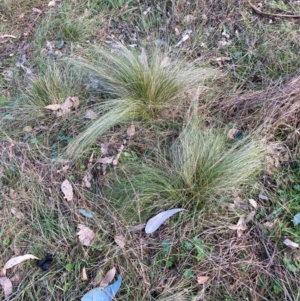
200 165
138 86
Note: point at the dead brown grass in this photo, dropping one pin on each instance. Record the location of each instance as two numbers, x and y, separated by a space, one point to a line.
271 109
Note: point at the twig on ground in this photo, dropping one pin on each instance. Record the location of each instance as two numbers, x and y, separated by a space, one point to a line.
258 11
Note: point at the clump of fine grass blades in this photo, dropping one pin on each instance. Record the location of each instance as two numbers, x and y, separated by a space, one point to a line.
201 165
138 86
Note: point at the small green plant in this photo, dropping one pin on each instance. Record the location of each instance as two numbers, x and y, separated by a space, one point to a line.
139 86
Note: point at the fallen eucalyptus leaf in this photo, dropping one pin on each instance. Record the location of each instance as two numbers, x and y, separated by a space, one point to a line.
67 105
253 203
240 226
85 214
290 243
155 222
16 213
52 3
131 131
106 160
54 107
86 179
84 276
67 190
108 278
263 197
136 228
202 279
27 129
86 235
120 240
12 194
296 219
104 148
7 287
90 114
100 294
16 260
250 216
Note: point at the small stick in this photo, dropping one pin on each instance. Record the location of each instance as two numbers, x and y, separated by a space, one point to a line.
258 11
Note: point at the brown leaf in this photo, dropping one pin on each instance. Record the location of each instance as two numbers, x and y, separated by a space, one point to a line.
120 240
106 160
131 131
54 107
270 224
290 243
89 114
86 179
52 3
137 228
250 216
202 279
109 277
84 276
231 135
12 194
253 203
27 129
240 227
67 190
16 260
177 32
86 235
7 287
104 148
67 105
240 203
16 213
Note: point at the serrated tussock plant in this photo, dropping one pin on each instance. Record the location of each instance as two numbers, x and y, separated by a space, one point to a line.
138 86
200 166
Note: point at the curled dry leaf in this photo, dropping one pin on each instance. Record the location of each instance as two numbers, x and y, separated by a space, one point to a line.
67 105
16 213
67 190
108 278
120 240
233 133
104 148
7 287
271 224
54 107
290 243
52 3
84 276
27 129
86 179
136 228
263 197
12 194
106 160
202 279
250 216
86 235
131 131
16 260
253 203
240 227
90 114
240 203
